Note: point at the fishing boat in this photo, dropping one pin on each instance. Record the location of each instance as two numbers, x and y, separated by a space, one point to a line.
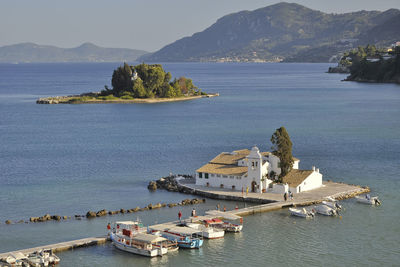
185 237
301 213
37 259
15 259
367 199
130 237
326 210
206 231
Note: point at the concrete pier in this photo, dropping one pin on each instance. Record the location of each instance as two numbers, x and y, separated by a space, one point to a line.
268 202
84 242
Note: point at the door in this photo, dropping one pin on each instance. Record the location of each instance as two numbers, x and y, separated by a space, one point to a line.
253 186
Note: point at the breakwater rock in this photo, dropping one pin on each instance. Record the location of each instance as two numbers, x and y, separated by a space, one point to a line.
104 212
171 184
339 69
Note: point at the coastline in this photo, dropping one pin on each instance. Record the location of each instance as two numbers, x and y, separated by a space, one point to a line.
74 99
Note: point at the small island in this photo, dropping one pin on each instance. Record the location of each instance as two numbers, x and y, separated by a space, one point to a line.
142 83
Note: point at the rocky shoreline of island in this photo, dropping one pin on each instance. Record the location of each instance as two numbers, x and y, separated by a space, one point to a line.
95 98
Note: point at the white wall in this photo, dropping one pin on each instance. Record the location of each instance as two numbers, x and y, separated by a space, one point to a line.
215 181
279 188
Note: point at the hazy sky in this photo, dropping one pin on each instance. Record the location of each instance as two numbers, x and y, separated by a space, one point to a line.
140 24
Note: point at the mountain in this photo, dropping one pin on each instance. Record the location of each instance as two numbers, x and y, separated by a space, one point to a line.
87 52
279 32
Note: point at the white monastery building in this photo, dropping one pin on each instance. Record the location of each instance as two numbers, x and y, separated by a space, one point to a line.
255 171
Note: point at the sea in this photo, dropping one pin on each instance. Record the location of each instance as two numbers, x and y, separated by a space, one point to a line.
69 159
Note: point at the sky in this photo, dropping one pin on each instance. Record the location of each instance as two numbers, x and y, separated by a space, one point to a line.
139 24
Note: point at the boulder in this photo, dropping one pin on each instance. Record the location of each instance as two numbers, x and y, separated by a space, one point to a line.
150 206
101 213
157 206
56 217
163 205
34 219
136 209
172 205
8 222
185 202
122 211
65 217
90 214
145 208
20 221
152 186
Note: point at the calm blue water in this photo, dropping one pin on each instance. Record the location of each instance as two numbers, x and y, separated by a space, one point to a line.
68 159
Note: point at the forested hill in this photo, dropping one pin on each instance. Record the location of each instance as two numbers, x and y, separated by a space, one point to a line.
87 52
284 31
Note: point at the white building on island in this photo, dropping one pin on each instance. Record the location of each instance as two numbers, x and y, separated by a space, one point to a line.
254 170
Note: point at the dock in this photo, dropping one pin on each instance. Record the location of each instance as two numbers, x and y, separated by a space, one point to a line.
63 246
267 202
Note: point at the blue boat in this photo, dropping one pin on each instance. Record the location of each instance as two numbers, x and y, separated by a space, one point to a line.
185 236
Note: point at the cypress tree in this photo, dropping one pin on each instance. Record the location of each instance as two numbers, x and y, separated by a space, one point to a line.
282 148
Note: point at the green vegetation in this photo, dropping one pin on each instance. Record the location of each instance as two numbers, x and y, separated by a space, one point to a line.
357 55
282 148
148 81
378 69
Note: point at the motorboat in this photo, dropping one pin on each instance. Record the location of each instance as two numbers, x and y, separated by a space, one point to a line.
332 204
186 237
223 225
326 210
301 213
367 199
15 259
206 231
37 260
130 237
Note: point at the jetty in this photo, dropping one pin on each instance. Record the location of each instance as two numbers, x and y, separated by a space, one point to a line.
267 202
63 246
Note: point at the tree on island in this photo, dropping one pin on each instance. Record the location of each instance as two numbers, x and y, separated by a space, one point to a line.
149 81
282 148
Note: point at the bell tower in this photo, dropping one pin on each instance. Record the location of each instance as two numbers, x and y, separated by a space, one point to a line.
254 172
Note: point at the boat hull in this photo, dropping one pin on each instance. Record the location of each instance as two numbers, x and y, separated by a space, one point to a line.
144 252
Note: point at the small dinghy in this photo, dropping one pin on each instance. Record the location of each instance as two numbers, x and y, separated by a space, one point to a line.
367 199
326 210
301 213
334 205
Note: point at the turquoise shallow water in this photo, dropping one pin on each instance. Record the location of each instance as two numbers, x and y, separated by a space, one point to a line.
67 159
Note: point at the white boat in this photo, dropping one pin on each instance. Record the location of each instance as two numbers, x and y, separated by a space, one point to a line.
301 213
223 225
130 237
368 200
141 244
207 232
15 259
325 210
185 236
49 256
37 260
332 204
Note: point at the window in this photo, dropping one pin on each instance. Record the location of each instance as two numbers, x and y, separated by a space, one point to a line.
231 177
252 164
218 175
225 176
200 175
238 177
256 163
212 175
206 175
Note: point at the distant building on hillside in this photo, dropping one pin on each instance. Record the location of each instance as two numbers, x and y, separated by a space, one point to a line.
255 171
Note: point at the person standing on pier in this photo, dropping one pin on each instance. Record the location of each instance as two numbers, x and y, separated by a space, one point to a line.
285 196
180 215
247 191
193 213
224 209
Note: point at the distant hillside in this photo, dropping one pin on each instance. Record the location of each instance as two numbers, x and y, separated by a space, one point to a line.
283 31
87 52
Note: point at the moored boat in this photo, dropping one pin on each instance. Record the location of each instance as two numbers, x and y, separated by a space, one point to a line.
130 236
226 226
326 210
185 237
141 244
367 199
301 213
207 232
332 204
